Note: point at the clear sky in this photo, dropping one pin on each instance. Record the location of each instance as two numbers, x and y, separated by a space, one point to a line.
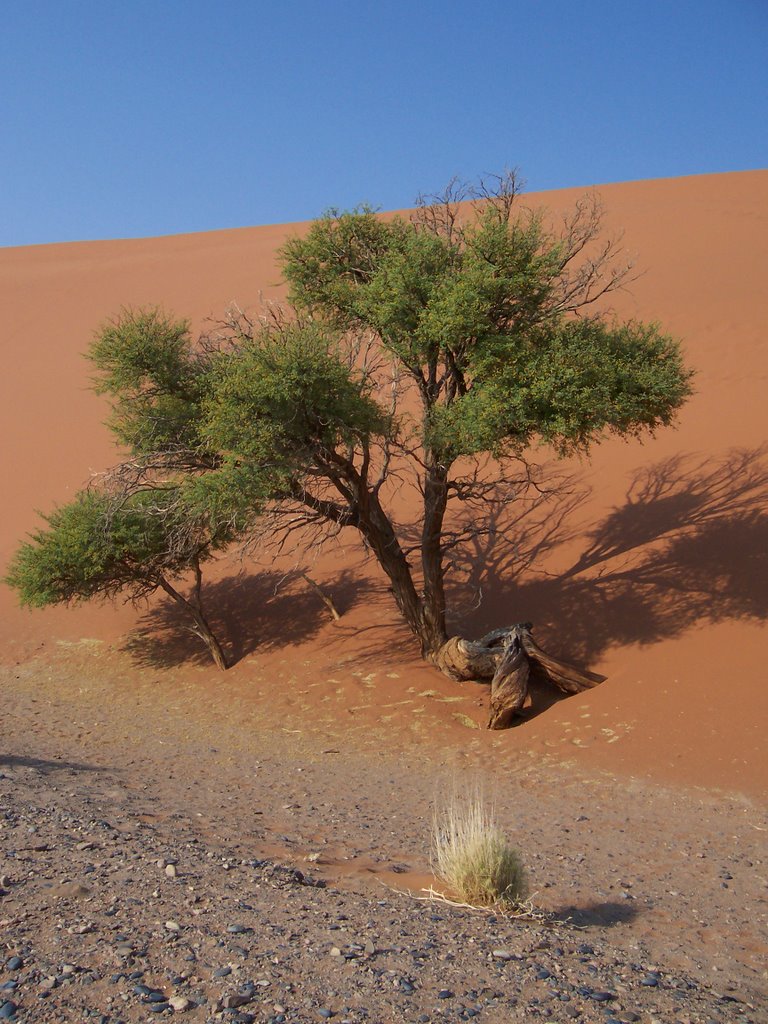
124 118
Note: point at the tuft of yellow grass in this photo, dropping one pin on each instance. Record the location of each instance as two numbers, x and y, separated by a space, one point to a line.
472 856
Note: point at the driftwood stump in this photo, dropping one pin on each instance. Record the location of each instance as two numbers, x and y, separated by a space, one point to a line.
507 658
522 655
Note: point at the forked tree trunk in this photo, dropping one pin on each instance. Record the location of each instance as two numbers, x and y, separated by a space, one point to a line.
201 627
507 658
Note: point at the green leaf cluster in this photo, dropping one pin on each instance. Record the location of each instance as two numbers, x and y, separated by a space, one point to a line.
485 321
287 395
154 377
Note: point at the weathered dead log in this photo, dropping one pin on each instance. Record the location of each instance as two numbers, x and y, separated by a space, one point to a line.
566 677
508 658
509 686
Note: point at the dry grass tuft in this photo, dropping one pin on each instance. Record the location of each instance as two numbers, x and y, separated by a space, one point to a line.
472 856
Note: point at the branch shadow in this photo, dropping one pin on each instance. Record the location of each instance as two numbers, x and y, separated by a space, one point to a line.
688 547
247 613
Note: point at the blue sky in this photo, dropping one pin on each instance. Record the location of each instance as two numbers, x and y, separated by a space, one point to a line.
149 117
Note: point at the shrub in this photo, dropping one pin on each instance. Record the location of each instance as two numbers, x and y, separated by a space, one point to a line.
472 856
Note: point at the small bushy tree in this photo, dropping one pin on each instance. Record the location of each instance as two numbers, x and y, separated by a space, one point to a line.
104 545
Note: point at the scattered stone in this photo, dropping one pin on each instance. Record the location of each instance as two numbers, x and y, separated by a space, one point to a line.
170 870
236 999
445 993
172 926
8 1010
180 1004
502 954
222 972
14 964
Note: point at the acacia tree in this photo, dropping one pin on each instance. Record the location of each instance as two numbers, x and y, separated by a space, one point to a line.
154 520
96 546
434 351
485 319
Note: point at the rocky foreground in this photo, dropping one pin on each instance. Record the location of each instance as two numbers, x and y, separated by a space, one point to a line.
106 915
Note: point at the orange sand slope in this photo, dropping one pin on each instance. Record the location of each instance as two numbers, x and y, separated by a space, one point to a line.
657 575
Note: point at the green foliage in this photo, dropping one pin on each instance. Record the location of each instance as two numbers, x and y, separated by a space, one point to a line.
566 385
483 319
102 545
156 381
286 395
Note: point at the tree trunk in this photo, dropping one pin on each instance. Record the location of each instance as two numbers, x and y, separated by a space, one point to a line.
380 535
201 627
507 658
435 502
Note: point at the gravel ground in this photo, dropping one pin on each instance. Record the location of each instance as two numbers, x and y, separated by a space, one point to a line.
151 867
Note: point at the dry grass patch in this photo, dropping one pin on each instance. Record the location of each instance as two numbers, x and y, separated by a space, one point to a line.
472 856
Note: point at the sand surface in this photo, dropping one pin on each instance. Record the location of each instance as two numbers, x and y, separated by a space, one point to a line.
632 802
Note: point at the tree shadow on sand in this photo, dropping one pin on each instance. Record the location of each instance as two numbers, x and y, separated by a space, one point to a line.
689 546
43 766
247 612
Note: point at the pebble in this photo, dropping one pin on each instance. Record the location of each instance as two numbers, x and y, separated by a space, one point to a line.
180 1004
222 972
237 929
14 963
445 993
8 1010
173 926
325 1012
170 870
502 954
231 1002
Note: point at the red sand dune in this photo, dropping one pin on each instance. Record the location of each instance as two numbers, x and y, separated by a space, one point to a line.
658 577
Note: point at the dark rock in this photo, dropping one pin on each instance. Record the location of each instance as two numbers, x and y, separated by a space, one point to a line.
14 963
602 997
445 993
8 1010
222 972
